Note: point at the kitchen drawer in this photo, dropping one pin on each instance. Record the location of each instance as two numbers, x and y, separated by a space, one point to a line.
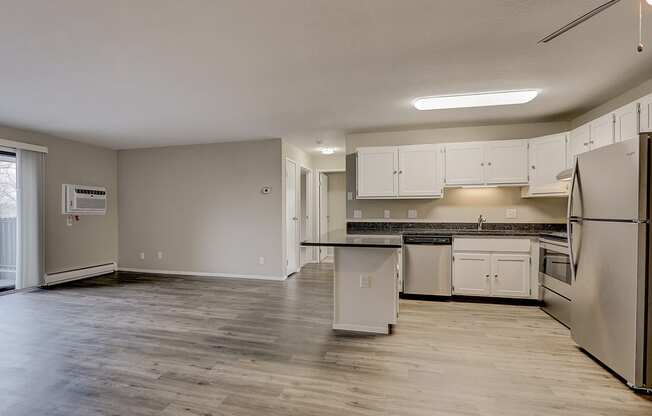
518 245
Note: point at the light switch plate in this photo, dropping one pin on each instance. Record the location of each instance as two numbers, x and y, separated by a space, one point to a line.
365 281
412 213
357 213
511 213
387 214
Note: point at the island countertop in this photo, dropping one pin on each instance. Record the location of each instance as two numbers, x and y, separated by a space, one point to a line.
342 239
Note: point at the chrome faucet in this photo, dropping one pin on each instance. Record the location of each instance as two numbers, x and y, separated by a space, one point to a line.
481 220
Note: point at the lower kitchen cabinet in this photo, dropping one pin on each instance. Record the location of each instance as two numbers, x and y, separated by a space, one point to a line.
500 268
471 274
510 275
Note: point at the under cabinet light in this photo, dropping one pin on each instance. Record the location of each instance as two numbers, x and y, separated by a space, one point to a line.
483 99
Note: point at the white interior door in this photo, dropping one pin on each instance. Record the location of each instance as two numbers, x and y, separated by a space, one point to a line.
418 173
506 161
292 219
323 212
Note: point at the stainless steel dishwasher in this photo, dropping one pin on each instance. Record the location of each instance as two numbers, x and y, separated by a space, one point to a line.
427 265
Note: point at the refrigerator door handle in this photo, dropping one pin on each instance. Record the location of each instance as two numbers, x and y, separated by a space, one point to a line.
569 228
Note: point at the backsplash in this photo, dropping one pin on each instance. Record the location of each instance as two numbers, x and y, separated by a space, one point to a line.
401 227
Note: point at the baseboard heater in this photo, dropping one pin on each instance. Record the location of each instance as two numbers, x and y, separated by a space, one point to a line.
81 273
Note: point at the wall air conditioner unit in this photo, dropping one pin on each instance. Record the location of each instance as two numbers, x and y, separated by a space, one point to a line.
83 200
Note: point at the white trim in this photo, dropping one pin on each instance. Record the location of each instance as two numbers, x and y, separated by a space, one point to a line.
202 274
83 273
380 329
23 146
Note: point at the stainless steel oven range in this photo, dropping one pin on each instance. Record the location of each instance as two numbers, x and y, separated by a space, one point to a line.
555 277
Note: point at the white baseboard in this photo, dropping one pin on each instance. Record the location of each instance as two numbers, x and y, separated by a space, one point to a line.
380 329
81 273
202 274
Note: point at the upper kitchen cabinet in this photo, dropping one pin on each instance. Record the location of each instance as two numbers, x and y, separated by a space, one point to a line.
464 163
506 162
419 173
547 156
399 172
578 142
626 122
602 131
645 124
377 169
486 163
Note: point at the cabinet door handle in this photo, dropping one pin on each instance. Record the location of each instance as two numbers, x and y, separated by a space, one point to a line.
489 164
395 172
496 276
482 164
591 141
486 275
533 167
586 143
400 172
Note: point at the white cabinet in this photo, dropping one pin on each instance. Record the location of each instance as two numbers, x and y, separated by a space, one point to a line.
547 157
506 162
419 174
377 169
626 122
602 131
464 163
486 163
493 267
399 172
471 274
578 142
645 116
510 275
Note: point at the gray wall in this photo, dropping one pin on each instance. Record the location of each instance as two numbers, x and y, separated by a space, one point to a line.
458 205
94 239
202 207
627 97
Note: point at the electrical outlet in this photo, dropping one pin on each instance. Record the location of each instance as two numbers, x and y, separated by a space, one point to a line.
142 255
159 255
511 213
412 213
69 221
365 281
387 214
357 213
261 260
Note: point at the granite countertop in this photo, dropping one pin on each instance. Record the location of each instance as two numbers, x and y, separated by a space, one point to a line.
500 233
342 239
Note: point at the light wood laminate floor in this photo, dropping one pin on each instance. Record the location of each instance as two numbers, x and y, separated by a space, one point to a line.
152 345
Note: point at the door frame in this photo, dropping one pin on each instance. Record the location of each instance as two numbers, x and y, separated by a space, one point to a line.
310 251
296 249
318 202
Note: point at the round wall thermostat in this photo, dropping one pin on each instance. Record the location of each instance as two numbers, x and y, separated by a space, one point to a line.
266 190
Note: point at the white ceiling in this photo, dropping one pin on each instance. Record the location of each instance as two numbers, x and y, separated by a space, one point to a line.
125 73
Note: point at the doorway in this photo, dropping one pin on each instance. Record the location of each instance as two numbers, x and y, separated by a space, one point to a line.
8 214
291 218
332 207
305 208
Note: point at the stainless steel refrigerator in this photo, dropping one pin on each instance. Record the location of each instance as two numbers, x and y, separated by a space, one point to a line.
609 240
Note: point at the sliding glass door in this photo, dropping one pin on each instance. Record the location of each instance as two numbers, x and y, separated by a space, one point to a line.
8 211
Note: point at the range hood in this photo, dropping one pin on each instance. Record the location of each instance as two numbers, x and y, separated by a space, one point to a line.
565 175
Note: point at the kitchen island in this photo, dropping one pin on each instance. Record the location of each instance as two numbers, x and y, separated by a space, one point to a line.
366 280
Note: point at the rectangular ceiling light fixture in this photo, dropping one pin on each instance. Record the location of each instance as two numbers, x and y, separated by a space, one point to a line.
483 99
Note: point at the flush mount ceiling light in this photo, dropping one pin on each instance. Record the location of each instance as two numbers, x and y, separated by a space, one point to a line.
327 150
483 99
